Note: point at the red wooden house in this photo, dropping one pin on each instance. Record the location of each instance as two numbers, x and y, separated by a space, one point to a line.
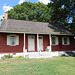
34 39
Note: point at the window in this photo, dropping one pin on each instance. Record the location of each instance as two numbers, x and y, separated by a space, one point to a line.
65 41
54 40
14 53
40 37
31 37
12 40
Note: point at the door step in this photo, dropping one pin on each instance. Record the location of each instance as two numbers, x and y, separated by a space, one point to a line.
37 55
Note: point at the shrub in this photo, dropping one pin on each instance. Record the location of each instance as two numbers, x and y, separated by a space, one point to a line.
3 58
6 56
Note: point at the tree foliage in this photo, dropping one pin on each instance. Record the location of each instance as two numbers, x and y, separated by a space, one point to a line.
30 11
62 11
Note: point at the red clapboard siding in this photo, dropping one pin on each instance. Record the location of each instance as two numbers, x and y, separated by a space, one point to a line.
61 47
4 48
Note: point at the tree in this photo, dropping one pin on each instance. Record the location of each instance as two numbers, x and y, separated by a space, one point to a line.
73 25
30 11
62 11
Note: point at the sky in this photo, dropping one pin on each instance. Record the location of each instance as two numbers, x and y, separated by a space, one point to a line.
6 5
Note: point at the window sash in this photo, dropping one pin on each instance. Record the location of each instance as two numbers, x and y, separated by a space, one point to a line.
31 37
65 40
40 37
53 40
12 40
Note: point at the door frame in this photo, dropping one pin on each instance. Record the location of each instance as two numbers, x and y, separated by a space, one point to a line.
34 42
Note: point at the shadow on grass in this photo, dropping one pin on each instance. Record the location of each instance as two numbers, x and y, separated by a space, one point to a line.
66 56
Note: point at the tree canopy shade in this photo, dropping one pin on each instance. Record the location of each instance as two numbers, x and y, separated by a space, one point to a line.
30 11
62 11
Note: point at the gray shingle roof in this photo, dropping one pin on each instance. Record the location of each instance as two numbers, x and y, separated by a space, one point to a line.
32 27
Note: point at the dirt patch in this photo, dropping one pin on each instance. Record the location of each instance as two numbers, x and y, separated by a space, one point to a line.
4 62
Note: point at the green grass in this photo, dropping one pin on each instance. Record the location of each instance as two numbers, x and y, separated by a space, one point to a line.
49 66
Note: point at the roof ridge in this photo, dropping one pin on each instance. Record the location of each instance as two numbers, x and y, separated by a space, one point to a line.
27 20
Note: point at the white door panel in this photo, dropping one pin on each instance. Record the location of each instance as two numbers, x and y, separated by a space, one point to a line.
31 43
41 43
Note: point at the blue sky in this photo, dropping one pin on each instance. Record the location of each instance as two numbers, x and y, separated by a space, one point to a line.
6 5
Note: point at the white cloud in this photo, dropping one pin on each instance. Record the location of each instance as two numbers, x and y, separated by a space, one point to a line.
21 1
6 8
44 1
1 17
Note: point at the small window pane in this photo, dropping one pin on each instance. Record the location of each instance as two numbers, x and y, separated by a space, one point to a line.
12 40
65 41
53 40
31 37
40 37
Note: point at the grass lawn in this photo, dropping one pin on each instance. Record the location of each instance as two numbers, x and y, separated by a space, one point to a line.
50 66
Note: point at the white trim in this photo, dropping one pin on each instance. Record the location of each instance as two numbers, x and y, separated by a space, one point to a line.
24 43
68 40
56 40
50 43
8 39
37 42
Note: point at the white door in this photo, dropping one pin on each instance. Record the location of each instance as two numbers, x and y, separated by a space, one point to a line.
40 42
31 43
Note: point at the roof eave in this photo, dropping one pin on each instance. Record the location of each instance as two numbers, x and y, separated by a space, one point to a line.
35 33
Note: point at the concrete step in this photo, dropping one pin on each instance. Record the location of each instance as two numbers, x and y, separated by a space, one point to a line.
38 55
70 53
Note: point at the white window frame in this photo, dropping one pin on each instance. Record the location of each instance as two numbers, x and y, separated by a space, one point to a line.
8 39
56 40
68 40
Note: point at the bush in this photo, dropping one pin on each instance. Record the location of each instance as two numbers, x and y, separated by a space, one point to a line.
3 58
6 56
